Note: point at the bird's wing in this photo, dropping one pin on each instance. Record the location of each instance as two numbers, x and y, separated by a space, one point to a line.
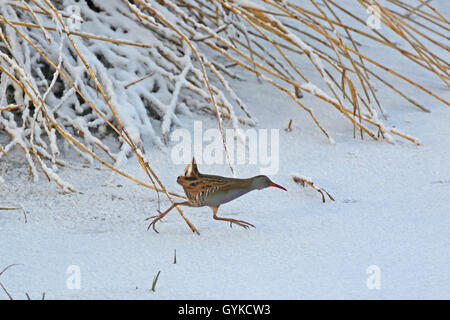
196 185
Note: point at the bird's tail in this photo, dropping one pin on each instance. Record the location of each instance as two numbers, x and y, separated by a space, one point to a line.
191 169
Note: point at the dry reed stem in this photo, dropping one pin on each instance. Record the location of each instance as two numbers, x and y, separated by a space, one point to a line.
6 291
79 34
155 280
304 182
1 284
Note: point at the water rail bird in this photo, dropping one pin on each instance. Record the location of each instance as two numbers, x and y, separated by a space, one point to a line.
208 190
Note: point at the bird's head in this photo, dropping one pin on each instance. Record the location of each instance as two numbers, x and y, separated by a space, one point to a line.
262 182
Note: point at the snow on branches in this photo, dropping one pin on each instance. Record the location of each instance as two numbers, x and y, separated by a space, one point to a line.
72 72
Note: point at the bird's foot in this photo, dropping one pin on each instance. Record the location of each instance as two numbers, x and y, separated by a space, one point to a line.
243 224
155 218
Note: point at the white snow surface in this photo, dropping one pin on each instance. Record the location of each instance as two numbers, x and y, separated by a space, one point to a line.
392 210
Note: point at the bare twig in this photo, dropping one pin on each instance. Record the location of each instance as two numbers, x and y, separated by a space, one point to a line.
305 181
138 80
11 265
23 211
6 291
155 280
1 284
288 129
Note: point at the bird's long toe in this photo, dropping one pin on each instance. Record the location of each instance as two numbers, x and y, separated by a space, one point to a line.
152 224
154 221
244 224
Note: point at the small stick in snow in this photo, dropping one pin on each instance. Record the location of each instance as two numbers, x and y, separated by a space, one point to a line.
23 210
288 129
11 265
29 298
304 181
175 257
6 291
441 181
155 280
1 284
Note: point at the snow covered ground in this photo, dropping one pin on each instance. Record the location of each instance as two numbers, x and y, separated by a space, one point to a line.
391 210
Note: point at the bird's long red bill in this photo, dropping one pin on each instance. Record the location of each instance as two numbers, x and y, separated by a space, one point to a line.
277 185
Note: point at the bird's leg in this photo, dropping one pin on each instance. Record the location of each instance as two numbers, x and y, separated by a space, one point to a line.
241 223
162 215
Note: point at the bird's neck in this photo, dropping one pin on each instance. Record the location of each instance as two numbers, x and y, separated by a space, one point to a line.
253 185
